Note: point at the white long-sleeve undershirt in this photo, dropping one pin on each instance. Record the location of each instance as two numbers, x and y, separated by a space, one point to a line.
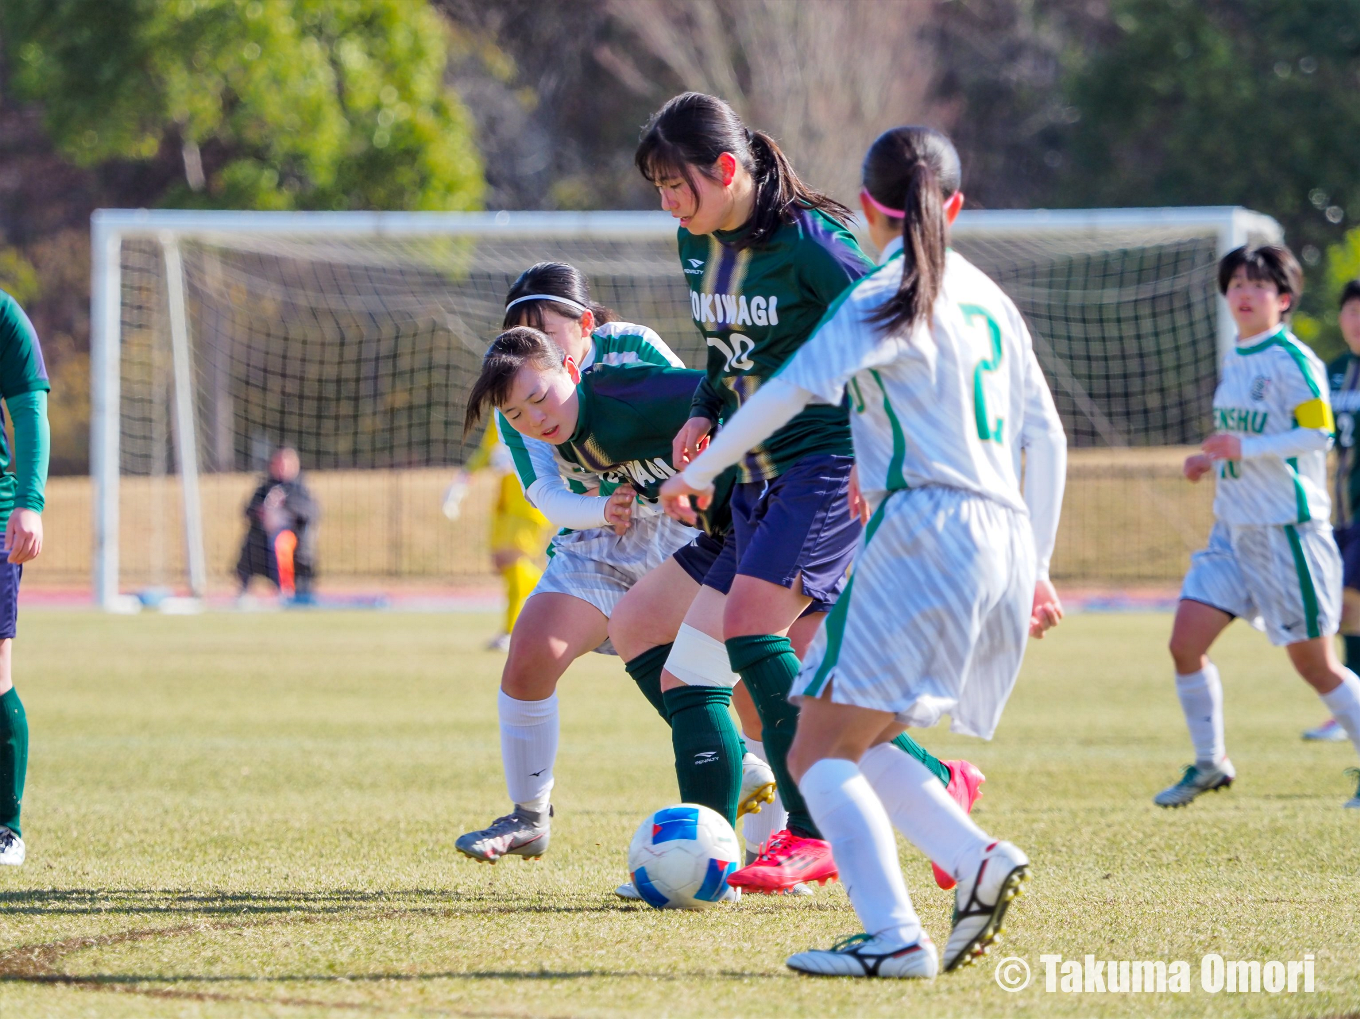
774 405
1045 446
1295 442
565 508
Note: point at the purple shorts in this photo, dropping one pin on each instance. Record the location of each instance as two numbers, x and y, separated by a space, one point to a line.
796 524
1348 541
10 575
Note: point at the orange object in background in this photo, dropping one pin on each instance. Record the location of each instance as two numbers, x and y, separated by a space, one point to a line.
285 543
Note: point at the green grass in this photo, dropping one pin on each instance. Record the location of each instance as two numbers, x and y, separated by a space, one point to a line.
254 815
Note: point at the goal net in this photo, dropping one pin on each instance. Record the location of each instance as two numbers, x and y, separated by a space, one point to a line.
354 337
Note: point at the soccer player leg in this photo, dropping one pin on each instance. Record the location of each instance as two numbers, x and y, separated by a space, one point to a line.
558 628
697 691
1212 595
646 620
849 813
13 724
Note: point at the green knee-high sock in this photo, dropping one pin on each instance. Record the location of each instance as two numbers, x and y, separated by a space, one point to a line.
707 747
937 767
1352 644
646 672
768 666
13 758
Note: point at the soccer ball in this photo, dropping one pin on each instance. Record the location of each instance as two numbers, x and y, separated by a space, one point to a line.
681 856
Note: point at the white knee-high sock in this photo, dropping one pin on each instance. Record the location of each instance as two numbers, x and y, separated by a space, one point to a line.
861 837
528 749
922 810
1201 697
1344 704
757 828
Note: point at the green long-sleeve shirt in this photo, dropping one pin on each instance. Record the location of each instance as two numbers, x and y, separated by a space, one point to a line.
755 307
24 388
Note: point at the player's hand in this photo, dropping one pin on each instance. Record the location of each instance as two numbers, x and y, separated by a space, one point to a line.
23 535
679 500
690 441
859 506
1222 446
1196 466
1047 611
618 511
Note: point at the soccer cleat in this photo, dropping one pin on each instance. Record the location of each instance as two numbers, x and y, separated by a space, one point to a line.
1194 781
12 851
981 901
515 834
965 785
1353 802
862 955
757 785
1329 731
786 860
501 643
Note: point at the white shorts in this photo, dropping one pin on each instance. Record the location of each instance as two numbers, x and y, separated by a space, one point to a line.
1284 579
600 567
936 616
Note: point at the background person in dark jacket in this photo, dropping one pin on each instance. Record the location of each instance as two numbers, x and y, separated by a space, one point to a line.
281 542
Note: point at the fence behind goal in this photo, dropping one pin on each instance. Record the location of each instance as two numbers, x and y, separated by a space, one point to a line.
355 336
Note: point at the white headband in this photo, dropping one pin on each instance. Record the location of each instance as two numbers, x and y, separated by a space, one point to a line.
581 308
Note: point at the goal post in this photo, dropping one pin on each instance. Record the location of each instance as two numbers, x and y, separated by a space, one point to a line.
216 336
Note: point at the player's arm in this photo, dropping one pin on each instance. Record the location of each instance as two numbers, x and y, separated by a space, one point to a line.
1311 410
841 346
1045 445
654 350
32 452
540 476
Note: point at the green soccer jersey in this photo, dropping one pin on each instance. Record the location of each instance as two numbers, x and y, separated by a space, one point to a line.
24 387
1343 377
755 307
626 422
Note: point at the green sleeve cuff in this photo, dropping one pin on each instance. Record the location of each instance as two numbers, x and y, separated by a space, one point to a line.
32 447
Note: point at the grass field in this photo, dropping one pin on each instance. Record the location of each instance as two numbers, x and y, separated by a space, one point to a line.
255 814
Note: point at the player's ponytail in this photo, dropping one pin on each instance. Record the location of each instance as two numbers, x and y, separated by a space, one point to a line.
555 285
508 353
909 173
689 133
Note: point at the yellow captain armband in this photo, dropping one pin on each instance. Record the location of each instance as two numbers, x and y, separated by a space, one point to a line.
1315 414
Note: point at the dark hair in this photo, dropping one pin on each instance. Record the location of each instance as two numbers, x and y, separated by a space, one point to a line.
915 169
1350 292
1270 263
508 353
560 280
691 131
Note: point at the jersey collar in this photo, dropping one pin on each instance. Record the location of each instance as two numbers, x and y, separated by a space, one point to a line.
893 250
590 354
1259 342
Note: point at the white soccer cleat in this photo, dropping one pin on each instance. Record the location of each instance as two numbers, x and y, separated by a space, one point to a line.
516 834
1354 802
12 851
757 785
1329 731
981 901
1194 781
863 956
501 643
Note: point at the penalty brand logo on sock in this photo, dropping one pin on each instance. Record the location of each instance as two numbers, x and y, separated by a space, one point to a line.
1160 976
706 757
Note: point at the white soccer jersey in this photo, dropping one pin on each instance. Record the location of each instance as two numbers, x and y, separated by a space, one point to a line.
538 462
950 404
1273 394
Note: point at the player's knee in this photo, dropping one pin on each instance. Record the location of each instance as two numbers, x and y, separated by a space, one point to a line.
527 676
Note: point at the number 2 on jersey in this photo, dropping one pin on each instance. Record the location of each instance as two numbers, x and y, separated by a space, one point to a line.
989 429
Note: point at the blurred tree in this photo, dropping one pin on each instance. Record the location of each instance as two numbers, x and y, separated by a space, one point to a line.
1320 329
1223 102
271 105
